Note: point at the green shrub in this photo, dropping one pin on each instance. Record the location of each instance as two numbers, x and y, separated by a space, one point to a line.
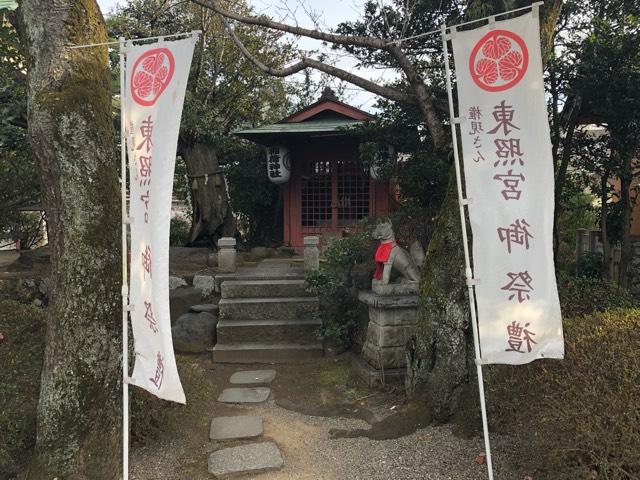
590 264
584 295
582 414
334 284
21 354
343 254
179 232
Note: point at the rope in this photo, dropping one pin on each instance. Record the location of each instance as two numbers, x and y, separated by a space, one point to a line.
194 32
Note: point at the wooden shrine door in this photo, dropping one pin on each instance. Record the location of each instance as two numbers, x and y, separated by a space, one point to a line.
334 196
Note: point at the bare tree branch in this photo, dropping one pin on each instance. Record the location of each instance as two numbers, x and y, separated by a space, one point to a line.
264 21
423 97
306 62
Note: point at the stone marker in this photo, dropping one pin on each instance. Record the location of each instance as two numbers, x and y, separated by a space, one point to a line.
253 376
253 458
311 253
244 395
227 254
234 428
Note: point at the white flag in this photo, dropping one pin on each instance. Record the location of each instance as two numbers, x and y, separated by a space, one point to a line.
156 80
509 180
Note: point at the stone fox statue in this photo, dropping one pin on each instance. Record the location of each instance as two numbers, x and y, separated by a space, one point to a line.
390 255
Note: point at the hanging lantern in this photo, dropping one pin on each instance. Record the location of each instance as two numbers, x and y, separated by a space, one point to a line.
379 169
278 164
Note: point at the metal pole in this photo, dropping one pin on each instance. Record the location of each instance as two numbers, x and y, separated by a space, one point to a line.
468 273
125 255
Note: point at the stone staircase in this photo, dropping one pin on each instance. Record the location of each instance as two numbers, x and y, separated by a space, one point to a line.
270 320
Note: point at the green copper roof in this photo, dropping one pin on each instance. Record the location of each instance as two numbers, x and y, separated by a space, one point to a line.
8 4
266 132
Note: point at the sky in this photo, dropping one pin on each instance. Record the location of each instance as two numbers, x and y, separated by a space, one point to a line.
330 13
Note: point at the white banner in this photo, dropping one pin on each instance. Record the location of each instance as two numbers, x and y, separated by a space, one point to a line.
510 187
156 80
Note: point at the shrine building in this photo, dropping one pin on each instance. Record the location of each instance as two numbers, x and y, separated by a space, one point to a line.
326 190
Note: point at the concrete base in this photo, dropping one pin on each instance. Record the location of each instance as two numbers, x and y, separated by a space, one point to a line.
392 320
374 377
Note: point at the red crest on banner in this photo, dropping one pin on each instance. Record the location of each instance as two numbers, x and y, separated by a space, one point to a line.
152 72
498 61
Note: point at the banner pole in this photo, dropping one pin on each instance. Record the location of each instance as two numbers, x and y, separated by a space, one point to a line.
125 255
468 272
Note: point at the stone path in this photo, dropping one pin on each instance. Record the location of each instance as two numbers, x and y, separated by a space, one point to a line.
251 457
235 428
244 395
255 376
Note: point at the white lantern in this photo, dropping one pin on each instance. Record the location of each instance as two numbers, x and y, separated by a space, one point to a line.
384 155
278 164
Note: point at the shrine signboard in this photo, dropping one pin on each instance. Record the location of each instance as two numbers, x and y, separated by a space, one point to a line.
508 172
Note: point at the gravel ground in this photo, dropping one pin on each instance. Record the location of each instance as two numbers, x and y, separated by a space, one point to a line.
433 453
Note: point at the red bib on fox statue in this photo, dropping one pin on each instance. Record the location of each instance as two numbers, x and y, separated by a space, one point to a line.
382 256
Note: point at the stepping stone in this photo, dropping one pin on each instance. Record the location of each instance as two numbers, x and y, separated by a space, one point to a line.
205 307
244 395
232 428
253 376
253 458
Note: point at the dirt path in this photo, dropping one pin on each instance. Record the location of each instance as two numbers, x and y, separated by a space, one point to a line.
308 443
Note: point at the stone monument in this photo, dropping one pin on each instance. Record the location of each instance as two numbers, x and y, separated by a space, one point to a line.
392 309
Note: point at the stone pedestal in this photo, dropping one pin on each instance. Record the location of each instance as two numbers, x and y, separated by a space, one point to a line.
227 254
311 253
392 320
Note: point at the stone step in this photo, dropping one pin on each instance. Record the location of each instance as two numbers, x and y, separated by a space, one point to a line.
265 352
246 459
266 276
278 331
263 289
284 308
235 428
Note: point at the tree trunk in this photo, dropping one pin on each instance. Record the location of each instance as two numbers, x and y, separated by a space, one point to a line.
604 226
440 356
626 254
71 134
212 216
